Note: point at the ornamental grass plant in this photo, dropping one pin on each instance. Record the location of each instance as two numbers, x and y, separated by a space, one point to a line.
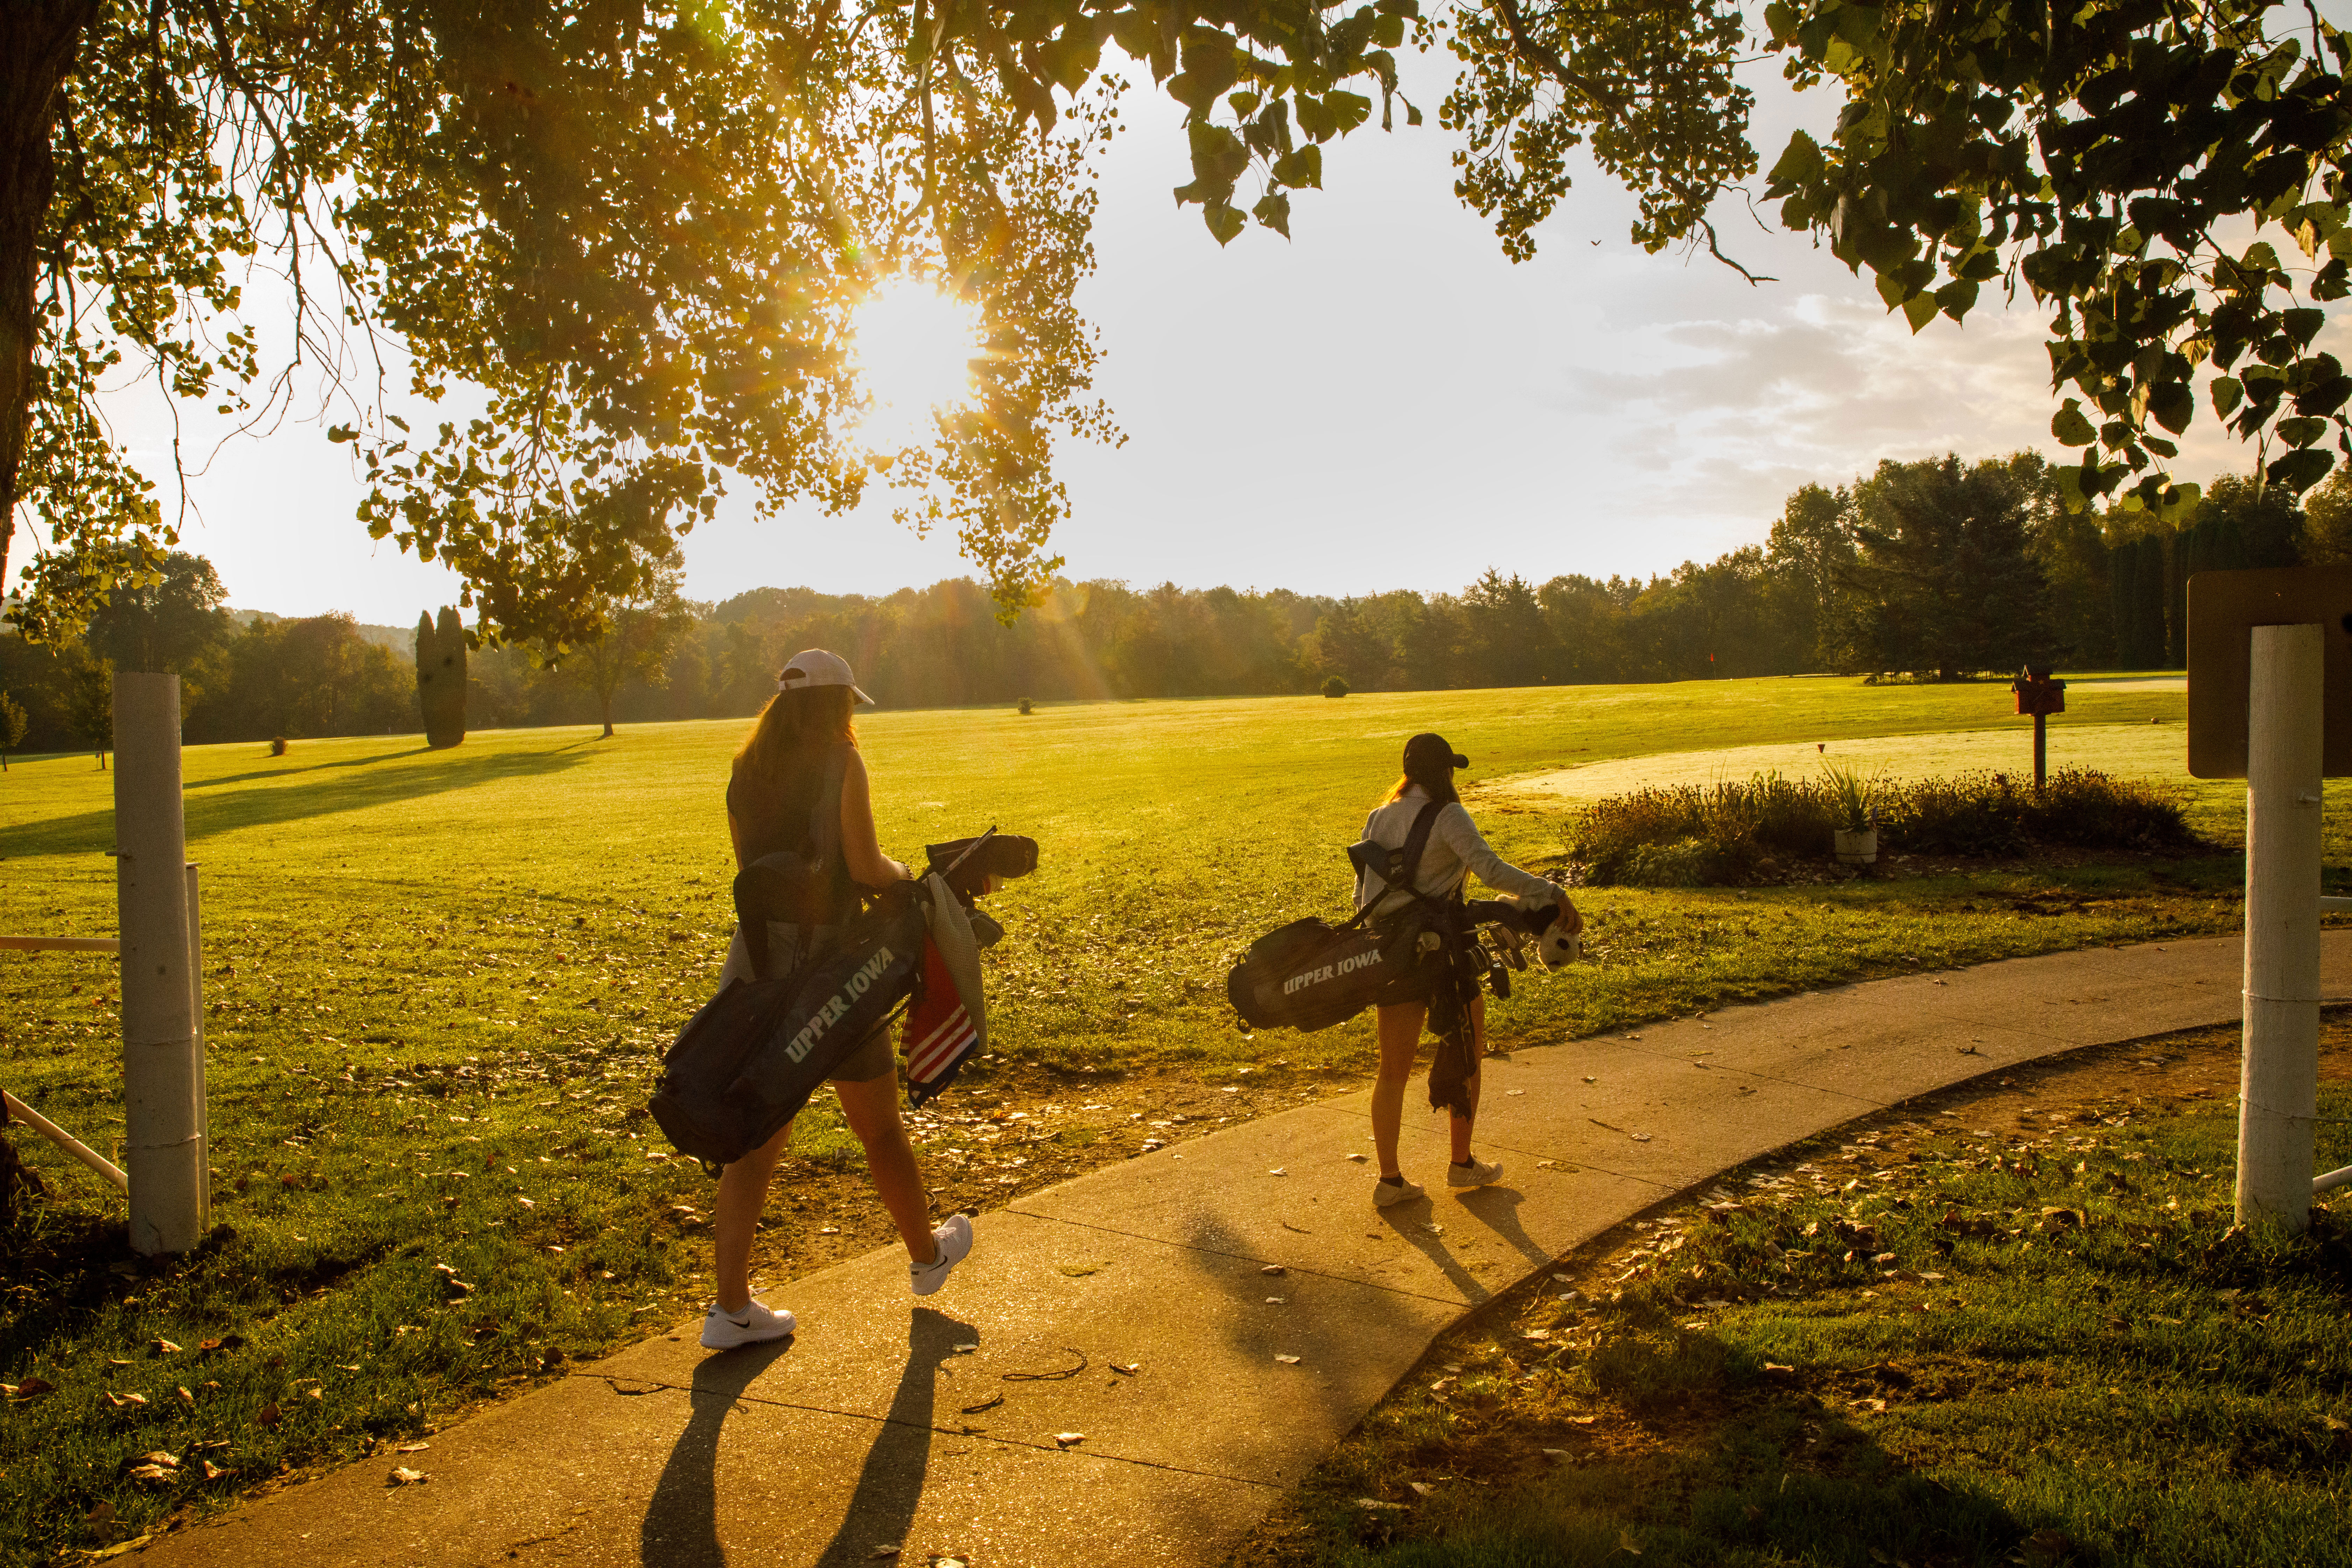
1736 831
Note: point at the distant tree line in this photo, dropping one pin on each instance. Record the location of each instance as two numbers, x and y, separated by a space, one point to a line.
1936 569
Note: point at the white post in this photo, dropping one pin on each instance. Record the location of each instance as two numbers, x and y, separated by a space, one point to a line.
196 1018
2278 1087
163 1142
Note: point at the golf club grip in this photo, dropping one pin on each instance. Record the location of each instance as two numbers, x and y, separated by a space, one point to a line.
1495 911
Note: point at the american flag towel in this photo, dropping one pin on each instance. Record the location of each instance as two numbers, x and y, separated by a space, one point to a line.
948 1020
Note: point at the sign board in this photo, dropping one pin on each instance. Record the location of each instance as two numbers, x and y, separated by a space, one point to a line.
2223 609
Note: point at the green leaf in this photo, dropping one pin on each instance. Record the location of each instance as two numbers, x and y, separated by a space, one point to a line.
2301 430
1225 221
2228 392
1801 163
2070 428
1919 310
2299 470
1412 114
1301 169
1314 120
2173 403
1347 110
1274 211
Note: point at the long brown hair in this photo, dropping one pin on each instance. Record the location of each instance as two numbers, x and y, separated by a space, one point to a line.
794 732
1438 788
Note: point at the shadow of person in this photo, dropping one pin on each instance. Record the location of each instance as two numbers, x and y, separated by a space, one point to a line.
1497 1208
1411 1222
680 1528
890 1483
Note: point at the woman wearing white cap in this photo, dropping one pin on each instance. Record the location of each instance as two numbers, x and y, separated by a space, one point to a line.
1454 851
800 755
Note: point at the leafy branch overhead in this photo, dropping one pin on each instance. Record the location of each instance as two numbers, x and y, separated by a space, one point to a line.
633 237
2123 160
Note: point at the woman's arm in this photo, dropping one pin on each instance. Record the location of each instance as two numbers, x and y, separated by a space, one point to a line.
735 837
1459 834
860 848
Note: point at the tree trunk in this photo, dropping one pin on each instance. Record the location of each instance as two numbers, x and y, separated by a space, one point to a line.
36 49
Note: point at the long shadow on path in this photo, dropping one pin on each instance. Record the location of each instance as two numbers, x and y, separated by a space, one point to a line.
681 1524
890 1489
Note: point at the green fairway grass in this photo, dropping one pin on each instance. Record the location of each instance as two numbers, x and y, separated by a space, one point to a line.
437 985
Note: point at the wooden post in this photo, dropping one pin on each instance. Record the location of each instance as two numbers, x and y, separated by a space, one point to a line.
2279 1085
162 1075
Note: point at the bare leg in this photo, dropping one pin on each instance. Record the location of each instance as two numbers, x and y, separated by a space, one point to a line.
742 1194
1462 1125
1400 1032
873 1111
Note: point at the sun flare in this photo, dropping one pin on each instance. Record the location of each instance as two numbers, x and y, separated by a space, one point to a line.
915 347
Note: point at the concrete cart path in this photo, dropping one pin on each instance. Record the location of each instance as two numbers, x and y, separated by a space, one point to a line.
931 1427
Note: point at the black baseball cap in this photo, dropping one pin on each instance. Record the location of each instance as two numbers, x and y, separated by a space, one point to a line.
1428 753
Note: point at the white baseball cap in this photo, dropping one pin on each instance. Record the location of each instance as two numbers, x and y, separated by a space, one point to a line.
815 666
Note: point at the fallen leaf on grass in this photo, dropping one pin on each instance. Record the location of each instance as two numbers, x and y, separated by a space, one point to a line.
1625 1538
1358 1159
164 1347
1557 1455
213 1472
1067 1438
1375 1502
1423 1488
1273 1268
120 1400
270 1414
401 1476
1582 1420
1277 1171
1128 1371
31 1388
885 1549
412 1447
1288 1360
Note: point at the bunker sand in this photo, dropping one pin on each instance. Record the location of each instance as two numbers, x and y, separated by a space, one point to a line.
1107 1380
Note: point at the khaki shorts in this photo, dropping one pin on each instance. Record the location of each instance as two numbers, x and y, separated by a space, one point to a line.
870 1058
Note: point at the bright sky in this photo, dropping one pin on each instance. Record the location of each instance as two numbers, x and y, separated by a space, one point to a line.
1383 401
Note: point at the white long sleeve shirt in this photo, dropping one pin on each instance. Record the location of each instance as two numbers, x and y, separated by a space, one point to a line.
1455 850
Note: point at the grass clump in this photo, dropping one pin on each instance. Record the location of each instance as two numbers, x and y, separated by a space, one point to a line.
1737 831
1919 1342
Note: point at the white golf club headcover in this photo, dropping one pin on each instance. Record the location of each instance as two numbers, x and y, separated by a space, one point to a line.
1555 947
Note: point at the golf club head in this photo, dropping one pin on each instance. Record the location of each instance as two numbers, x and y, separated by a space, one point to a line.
1557 947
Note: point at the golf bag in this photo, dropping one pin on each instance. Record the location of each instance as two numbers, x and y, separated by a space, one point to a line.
749 1060
1310 974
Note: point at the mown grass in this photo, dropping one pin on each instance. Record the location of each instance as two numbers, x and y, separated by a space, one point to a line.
1917 1341
437 983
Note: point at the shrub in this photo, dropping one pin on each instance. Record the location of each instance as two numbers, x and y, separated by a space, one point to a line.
1024 706
1680 835
1335 686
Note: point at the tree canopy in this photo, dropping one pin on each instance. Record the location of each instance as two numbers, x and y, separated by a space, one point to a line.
642 229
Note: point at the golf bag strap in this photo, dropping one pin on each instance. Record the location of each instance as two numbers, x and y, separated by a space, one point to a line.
1407 864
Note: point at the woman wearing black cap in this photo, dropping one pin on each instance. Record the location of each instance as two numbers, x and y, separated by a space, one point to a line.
1455 850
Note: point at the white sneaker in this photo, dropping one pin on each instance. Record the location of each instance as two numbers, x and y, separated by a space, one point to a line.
954 1239
754 1325
1476 1173
1386 1195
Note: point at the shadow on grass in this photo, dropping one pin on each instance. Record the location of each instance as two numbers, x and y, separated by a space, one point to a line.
355 784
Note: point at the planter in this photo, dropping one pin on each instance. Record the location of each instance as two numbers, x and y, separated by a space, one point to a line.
1855 848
